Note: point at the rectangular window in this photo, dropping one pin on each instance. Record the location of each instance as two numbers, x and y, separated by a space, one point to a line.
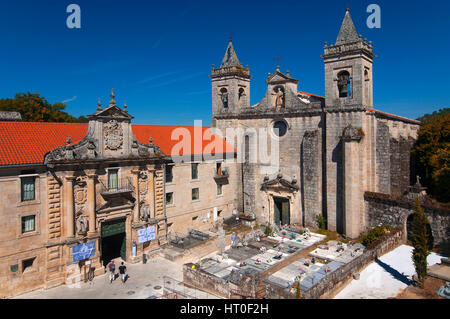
194 170
27 264
28 224
28 188
195 194
113 182
219 189
169 198
169 174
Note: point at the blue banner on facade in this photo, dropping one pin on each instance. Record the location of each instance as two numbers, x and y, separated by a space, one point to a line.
146 234
83 251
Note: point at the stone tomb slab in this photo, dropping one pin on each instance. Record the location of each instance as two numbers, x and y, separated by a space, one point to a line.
241 253
225 272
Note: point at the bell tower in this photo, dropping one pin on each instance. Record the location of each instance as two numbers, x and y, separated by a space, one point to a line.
348 69
230 84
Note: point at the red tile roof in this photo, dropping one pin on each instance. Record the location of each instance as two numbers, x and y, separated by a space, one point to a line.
394 116
168 136
28 142
322 97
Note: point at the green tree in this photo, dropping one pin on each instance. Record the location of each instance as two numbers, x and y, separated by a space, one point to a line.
35 108
427 117
431 155
420 241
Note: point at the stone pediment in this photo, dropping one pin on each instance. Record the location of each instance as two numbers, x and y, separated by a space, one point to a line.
279 184
109 136
111 112
278 78
118 203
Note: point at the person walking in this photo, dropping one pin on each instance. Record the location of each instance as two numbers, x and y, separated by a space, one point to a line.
122 271
112 271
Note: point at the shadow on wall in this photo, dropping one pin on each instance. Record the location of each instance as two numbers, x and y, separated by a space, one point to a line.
444 248
337 157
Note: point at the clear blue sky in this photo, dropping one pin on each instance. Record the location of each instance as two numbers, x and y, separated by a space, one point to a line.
158 54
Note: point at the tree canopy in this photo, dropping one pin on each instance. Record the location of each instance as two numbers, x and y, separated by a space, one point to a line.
35 108
432 154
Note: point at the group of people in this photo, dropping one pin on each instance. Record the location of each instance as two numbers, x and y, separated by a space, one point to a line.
112 271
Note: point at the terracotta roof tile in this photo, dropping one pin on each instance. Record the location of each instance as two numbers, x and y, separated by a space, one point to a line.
28 142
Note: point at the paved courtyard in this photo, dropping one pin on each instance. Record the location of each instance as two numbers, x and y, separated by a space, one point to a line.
142 283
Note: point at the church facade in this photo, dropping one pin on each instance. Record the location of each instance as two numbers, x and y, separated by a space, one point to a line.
332 149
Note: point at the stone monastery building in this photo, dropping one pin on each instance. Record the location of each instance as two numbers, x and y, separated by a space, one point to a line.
74 189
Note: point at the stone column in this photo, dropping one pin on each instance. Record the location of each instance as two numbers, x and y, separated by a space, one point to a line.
69 205
90 203
136 189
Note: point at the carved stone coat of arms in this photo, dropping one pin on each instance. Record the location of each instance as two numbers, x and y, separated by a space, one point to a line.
113 135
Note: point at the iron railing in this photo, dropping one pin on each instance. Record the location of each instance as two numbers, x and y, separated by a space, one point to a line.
121 185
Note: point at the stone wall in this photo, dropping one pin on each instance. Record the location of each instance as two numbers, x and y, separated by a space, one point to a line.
200 279
184 213
383 158
390 210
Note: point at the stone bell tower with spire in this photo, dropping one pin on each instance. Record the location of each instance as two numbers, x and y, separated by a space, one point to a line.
348 69
230 85
348 136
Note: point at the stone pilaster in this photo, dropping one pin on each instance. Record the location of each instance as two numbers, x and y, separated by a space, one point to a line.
69 206
136 189
151 192
54 208
352 182
90 205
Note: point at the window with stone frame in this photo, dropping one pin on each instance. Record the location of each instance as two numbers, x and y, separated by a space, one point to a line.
28 188
344 84
113 179
28 224
194 170
169 198
195 194
169 173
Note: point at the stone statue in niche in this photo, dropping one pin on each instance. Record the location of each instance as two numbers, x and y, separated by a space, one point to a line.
113 135
278 97
145 213
82 225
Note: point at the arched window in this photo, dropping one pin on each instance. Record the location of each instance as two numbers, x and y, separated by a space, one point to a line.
224 97
344 84
367 84
241 93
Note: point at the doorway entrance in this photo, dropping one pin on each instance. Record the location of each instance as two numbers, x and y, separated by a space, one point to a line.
282 214
113 240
